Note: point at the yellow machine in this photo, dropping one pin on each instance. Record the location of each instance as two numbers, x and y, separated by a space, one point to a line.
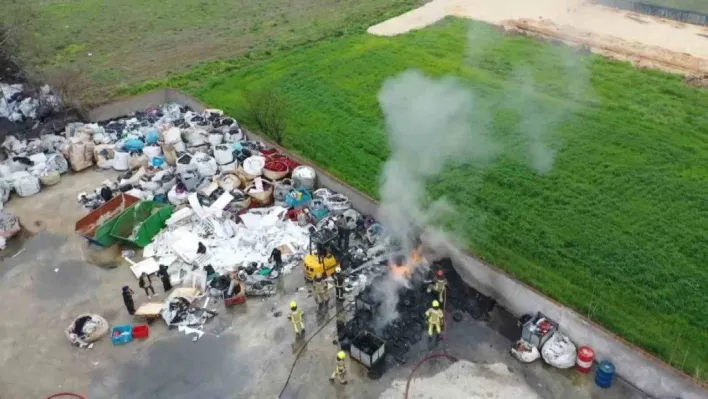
311 262
313 267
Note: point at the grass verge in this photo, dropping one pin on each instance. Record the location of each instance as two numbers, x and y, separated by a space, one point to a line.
115 44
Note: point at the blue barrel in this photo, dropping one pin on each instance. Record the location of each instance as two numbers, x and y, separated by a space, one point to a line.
605 374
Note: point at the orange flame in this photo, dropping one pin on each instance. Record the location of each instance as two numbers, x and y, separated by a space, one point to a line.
406 270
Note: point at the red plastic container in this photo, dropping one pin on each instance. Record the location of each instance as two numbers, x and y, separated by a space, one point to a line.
236 300
141 331
586 355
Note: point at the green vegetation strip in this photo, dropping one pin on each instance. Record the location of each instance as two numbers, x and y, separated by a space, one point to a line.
616 230
104 45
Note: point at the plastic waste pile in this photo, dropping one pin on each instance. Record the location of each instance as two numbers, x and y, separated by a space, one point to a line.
31 164
198 236
18 103
235 200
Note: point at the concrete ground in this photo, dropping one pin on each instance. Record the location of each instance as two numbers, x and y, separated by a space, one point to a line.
247 352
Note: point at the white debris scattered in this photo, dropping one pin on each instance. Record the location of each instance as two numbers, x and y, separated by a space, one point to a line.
228 245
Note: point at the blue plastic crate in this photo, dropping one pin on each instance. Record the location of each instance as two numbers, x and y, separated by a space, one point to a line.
122 334
298 198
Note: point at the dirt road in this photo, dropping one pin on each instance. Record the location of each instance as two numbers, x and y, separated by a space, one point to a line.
646 41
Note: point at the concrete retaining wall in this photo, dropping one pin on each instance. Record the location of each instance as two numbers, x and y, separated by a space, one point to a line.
637 367
691 17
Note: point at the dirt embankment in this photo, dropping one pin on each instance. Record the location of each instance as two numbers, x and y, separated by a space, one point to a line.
645 41
639 54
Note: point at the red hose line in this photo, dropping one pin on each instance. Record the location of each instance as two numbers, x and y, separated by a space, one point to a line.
435 355
56 395
423 360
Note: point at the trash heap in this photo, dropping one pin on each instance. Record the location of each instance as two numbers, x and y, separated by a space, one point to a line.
234 200
200 242
19 103
31 164
181 310
403 333
86 329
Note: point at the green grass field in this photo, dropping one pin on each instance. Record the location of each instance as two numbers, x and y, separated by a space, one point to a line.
134 40
616 230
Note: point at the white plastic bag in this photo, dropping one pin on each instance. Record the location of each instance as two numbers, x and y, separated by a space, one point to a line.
254 165
196 137
223 154
121 161
9 224
559 352
177 198
206 165
57 162
172 136
184 164
524 351
50 177
152 151
25 184
304 176
228 168
215 138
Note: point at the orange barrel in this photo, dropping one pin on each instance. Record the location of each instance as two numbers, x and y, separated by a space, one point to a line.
585 358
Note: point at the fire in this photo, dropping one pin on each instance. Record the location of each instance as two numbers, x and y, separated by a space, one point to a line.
405 269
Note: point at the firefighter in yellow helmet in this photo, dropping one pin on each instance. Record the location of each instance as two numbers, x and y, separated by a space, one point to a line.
320 288
435 319
339 368
439 285
295 317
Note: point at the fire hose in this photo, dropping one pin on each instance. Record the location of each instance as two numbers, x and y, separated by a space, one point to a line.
292 368
433 355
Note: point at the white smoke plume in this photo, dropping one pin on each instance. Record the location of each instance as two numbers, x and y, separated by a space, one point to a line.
433 123
430 123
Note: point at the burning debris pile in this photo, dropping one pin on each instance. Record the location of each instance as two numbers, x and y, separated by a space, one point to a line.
393 308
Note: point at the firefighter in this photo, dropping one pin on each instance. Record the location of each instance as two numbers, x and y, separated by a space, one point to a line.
339 283
435 319
320 288
295 317
339 368
438 285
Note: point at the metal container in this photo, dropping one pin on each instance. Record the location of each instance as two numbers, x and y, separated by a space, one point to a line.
368 349
534 334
